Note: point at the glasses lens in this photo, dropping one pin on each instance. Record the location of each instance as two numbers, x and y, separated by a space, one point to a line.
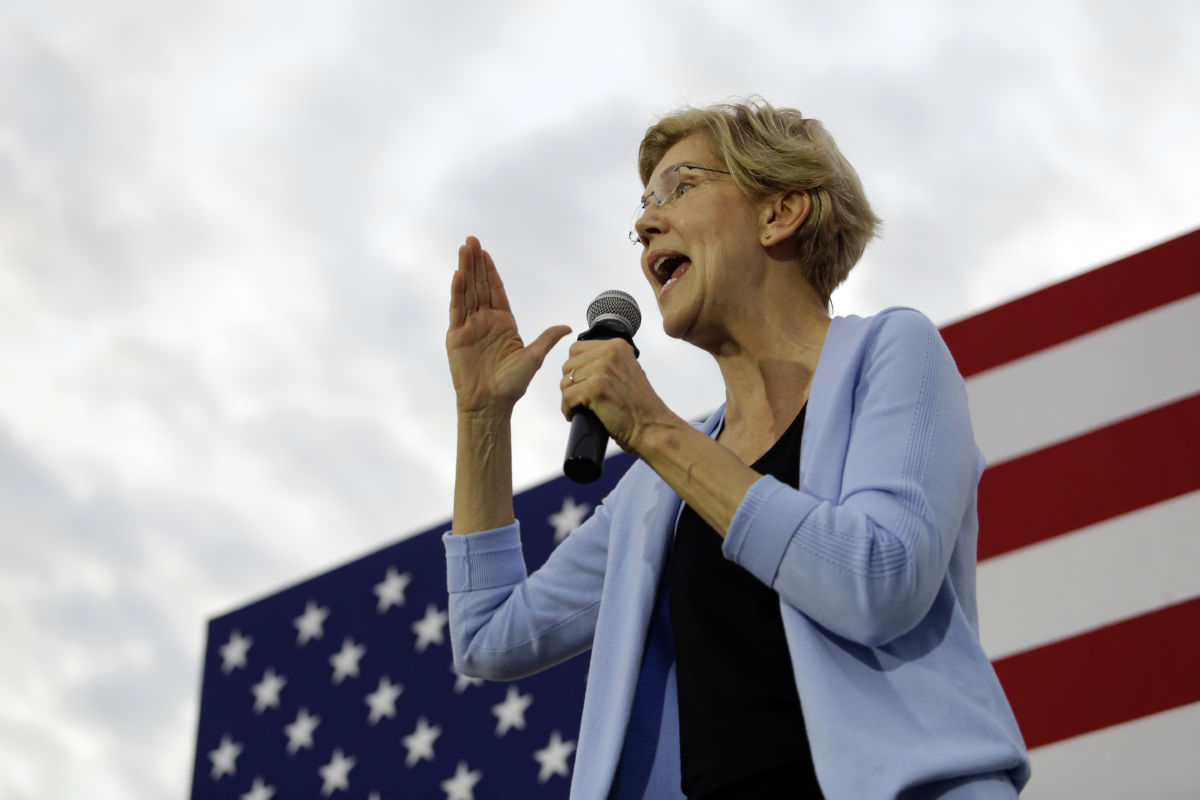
662 188
658 191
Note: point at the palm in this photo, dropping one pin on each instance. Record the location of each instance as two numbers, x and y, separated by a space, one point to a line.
488 360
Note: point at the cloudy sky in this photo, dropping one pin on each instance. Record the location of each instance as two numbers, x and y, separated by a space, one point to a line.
227 231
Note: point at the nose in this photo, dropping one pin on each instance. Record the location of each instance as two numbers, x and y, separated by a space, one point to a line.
652 222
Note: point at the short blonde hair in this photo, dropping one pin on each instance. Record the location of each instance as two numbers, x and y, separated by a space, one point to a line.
769 150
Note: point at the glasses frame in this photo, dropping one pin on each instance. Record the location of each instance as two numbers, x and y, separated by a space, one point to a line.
659 203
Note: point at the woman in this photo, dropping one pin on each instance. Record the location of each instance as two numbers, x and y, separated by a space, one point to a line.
780 601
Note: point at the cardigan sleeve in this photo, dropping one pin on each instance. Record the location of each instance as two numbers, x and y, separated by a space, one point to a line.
504 624
867 561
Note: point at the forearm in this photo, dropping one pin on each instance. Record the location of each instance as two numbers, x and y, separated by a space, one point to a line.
483 473
709 477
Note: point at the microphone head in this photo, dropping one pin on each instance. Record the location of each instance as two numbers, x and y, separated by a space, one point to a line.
617 307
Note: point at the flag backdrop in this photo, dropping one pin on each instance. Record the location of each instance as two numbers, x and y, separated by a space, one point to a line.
1086 400
370 707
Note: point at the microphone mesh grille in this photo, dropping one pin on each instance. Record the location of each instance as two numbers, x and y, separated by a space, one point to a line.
615 304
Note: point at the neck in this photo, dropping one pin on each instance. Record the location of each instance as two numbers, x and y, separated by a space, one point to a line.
768 369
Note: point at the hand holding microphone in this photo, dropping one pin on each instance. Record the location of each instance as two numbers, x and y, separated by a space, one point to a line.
612 315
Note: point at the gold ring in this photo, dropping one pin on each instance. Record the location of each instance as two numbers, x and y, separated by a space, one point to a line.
571 377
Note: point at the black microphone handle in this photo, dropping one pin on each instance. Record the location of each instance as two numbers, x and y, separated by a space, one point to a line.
585 446
589 438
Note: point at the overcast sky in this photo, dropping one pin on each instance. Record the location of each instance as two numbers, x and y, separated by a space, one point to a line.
227 231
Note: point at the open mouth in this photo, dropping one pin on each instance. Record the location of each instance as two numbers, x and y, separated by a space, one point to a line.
669 267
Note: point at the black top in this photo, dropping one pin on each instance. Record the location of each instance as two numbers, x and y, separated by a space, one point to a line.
740 724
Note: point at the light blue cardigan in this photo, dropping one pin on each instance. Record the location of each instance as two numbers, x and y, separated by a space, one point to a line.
873 558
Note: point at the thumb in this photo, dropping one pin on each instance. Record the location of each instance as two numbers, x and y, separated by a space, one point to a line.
541 346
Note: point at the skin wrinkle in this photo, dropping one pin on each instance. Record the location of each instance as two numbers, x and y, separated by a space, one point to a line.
484 445
691 465
487 444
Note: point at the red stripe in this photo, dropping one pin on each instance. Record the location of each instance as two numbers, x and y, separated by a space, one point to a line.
1115 674
1117 469
1149 279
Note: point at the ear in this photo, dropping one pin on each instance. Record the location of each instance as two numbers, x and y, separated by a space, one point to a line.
782 215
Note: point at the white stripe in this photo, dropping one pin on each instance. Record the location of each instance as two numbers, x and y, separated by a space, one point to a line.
1116 569
1088 382
1153 757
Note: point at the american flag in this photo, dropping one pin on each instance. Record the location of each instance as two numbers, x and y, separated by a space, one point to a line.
342 686
1086 400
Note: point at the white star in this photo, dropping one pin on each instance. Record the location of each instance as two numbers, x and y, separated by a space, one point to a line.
336 773
266 691
511 713
553 757
345 661
311 624
462 785
300 732
383 700
259 791
461 682
391 591
224 758
233 652
568 518
429 629
420 742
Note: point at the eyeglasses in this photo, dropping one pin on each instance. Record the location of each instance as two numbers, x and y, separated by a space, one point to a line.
671 182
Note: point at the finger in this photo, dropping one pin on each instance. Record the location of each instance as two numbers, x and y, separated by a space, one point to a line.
614 346
468 265
572 378
483 293
498 298
593 357
583 348
540 347
571 400
458 299
569 386
575 365
578 394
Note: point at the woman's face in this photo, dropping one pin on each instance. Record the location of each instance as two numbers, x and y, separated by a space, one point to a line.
698 248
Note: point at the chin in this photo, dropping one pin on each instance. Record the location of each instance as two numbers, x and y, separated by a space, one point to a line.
677 328
672 331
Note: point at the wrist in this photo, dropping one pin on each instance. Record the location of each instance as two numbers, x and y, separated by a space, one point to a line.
658 437
483 473
484 439
485 418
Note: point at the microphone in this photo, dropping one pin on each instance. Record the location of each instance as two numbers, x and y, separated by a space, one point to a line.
612 315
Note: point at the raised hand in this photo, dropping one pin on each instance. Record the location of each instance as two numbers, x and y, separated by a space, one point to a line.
489 363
